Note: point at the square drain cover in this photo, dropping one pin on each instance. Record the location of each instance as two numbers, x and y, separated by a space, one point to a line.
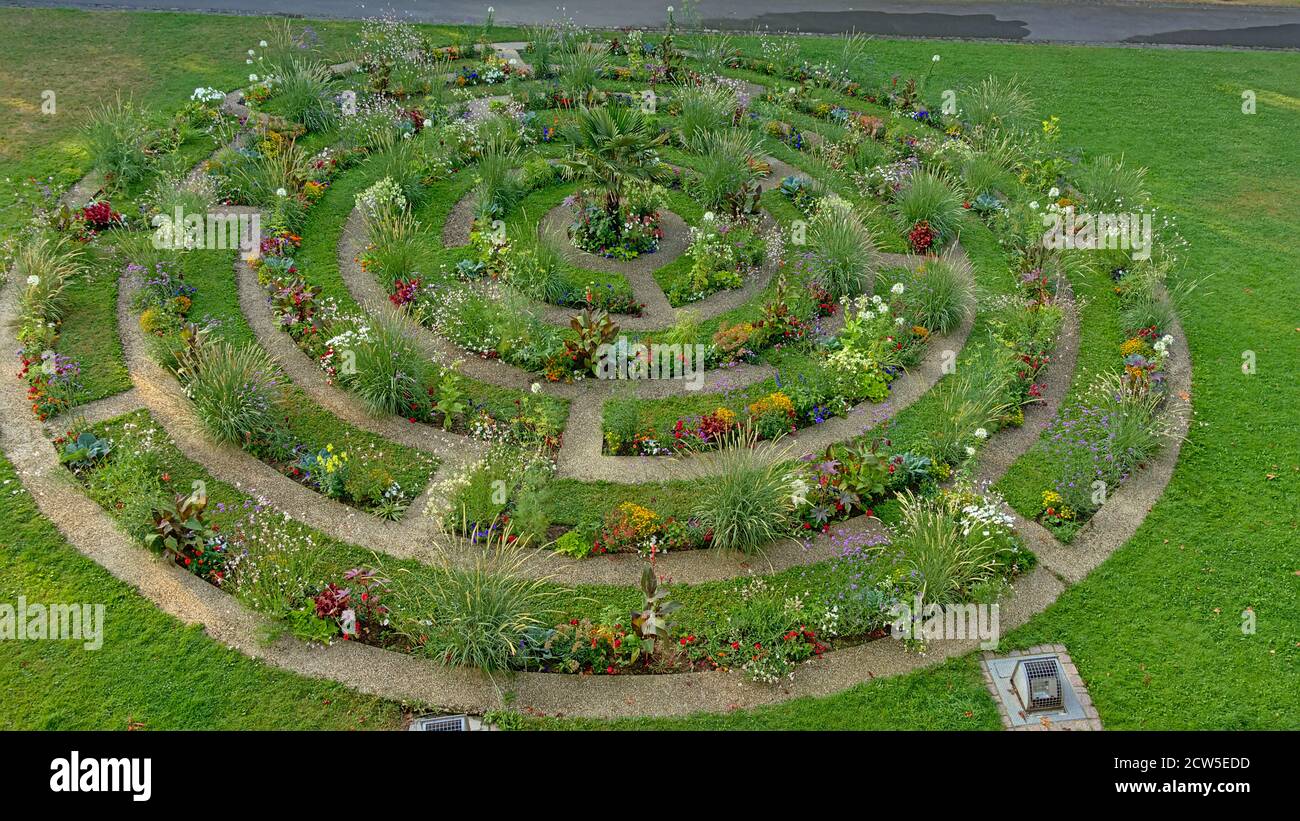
1034 687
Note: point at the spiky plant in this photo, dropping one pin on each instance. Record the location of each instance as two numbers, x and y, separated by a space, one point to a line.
613 145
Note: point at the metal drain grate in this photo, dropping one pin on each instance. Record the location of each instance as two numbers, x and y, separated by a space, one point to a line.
441 724
1037 683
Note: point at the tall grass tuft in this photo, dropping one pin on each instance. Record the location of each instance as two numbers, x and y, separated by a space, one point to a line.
235 390
500 184
303 94
391 373
399 249
928 196
45 265
948 559
845 261
749 501
999 105
475 613
940 293
703 110
118 136
727 172
1111 186
978 396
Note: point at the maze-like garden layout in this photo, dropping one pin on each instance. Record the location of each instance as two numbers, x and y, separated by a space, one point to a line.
627 374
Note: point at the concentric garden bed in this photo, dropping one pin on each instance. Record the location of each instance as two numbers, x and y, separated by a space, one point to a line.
391 418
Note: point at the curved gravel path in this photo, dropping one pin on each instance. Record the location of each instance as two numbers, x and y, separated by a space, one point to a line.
409 678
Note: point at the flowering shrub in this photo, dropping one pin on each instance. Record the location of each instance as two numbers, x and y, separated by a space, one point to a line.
723 253
633 528
627 235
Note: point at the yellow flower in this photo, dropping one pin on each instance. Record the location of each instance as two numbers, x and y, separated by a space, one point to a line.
1132 346
641 519
772 402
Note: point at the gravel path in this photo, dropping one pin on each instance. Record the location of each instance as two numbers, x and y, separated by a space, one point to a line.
413 679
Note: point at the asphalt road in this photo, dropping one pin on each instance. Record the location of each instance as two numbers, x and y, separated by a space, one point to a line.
1062 21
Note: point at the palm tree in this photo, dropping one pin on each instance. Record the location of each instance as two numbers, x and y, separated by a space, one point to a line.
612 145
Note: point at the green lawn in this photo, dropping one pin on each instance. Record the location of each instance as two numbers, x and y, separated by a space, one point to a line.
1155 631
152 672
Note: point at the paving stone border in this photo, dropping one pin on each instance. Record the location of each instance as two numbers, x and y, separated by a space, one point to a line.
1091 720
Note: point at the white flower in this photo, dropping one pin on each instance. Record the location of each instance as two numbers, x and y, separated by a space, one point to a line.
536 388
280 192
428 123
897 289
934 59
252 78
33 280
261 43
249 61
970 451
251 52
1053 192
799 493
981 433
1033 206
708 216
670 9
899 321
1168 339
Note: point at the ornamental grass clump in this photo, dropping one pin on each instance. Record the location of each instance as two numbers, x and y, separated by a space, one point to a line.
1112 186
475 613
844 257
728 172
236 390
998 105
974 402
118 138
749 499
926 197
302 92
500 184
391 376
703 111
940 293
955 543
